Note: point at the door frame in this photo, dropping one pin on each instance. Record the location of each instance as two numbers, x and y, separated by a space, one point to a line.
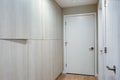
96 41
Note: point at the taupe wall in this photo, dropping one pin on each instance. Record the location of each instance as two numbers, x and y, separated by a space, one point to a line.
30 40
80 9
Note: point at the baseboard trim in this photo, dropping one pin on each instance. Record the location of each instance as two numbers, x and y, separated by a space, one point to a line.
59 76
80 74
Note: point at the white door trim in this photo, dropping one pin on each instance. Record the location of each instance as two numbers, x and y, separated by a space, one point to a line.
96 42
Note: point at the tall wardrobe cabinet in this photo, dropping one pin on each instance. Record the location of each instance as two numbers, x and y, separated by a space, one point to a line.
30 40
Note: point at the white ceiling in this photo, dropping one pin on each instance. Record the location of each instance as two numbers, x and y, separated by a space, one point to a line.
72 3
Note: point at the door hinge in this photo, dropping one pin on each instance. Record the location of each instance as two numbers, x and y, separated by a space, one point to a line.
105 3
66 43
65 23
105 50
65 65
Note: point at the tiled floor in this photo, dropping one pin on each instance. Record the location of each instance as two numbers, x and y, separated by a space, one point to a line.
76 77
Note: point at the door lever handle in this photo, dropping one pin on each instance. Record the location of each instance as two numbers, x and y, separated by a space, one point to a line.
112 69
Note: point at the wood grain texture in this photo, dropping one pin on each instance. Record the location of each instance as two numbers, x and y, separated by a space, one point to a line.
13 60
14 20
35 71
76 77
52 20
52 59
46 20
45 59
30 19
58 58
36 18
40 23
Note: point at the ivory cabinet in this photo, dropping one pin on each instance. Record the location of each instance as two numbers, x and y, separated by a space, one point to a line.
14 19
52 59
30 59
58 58
45 59
36 25
21 19
52 20
13 60
30 40
46 17
35 60
30 19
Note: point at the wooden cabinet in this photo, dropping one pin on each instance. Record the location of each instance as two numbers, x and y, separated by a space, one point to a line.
30 60
21 19
46 20
33 46
48 51
35 60
52 59
13 60
45 59
58 58
52 20
36 28
30 19
14 19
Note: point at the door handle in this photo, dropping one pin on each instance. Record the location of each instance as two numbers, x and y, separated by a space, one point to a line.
92 48
112 69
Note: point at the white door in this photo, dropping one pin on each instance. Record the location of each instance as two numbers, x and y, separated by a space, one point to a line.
80 49
112 30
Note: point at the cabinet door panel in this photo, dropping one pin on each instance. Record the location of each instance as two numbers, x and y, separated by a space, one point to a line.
36 29
14 21
58 58
52 22
35 60
48 51
52 59
13 60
